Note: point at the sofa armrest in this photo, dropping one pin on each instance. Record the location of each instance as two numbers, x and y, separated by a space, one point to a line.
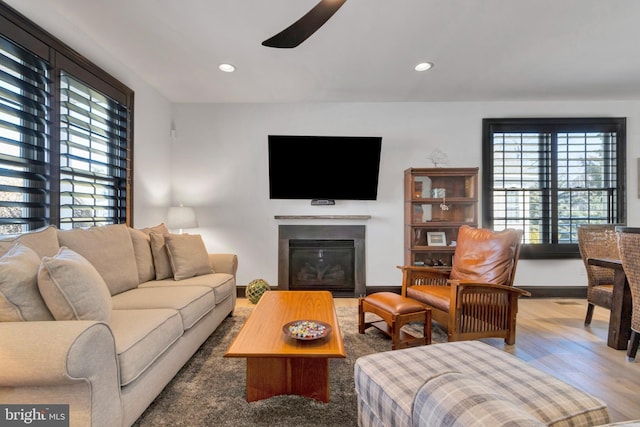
224 263
62 362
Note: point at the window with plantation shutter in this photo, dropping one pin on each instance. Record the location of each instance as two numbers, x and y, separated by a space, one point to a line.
93 156
549 176
66 144
24 139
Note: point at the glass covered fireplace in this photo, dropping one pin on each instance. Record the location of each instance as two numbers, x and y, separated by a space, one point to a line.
322 264
318 257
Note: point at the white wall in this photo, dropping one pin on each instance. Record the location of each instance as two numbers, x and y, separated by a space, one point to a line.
219 165
151 156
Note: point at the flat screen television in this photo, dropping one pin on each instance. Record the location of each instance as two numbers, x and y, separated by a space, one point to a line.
324 168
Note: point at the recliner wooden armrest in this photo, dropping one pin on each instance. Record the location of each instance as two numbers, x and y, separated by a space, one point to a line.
478 286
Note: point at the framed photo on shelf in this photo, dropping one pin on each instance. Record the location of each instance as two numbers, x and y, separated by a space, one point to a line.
436 238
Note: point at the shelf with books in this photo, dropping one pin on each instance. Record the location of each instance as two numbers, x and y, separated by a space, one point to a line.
437 202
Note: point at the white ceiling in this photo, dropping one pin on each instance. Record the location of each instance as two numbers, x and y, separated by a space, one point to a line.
482 49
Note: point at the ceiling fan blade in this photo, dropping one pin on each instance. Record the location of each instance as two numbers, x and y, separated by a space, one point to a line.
300 30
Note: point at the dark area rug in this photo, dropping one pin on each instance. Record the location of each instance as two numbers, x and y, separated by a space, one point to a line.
210 389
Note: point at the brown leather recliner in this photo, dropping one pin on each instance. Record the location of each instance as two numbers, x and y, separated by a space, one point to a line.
477 298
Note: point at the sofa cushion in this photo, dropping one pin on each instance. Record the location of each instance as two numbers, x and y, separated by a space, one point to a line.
188 255
387 383
110 250
141 337
44 241
458 400
72 288
223 284
20 298
192 302
484 255
142 251
160 257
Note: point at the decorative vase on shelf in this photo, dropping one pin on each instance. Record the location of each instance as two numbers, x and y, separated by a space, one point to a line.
438 158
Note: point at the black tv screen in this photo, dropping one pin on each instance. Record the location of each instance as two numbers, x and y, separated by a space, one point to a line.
324 167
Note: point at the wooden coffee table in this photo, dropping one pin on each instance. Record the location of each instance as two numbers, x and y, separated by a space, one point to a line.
278 364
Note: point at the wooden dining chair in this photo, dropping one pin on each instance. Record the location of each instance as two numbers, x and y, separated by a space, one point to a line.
598 241
629 247
477 298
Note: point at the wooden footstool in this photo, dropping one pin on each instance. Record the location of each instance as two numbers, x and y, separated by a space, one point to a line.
395 311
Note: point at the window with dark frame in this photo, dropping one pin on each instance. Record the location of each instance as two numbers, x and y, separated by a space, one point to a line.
93 157
548 176
25 114
66 145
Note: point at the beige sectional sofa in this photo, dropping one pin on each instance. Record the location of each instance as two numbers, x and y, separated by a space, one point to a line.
96 319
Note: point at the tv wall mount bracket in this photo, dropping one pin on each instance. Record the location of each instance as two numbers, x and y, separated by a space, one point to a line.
322 202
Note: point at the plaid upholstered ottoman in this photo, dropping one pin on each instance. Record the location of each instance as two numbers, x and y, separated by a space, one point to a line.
466 383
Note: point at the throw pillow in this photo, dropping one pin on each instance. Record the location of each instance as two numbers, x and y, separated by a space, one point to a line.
484 255
144 258
44 241
160 229
73 289
158 252
20 299
188 255
161 261
110 250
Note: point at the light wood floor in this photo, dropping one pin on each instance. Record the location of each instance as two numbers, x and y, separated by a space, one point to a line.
552 337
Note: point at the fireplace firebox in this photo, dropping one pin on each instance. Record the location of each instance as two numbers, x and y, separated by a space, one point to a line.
326 264
322 257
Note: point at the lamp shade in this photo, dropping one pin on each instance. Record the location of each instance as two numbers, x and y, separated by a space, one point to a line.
181 217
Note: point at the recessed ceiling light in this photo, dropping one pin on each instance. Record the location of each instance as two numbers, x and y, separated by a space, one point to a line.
227 68
423 66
